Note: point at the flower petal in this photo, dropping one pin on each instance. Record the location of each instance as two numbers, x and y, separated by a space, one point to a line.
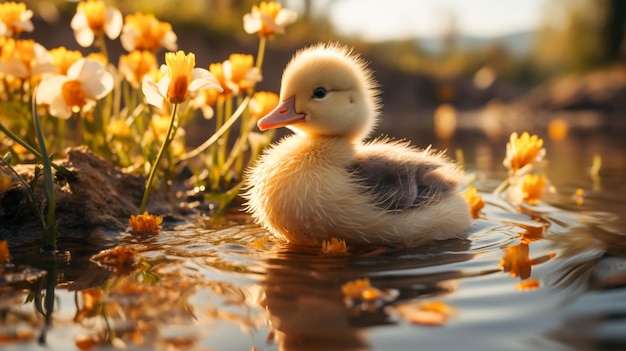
113 22
169 41
60 109
203 79
252 23
84 37
129 37
286 17
151 91
50 88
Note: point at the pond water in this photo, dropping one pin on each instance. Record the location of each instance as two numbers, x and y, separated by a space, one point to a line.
549 277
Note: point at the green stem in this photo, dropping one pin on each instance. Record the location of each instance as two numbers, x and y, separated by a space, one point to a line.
197 151
260 53
50 230
153 168
66 173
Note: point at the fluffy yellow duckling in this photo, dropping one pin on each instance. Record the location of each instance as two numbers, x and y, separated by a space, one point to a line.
324 181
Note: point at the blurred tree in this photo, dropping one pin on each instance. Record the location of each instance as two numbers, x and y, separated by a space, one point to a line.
579 35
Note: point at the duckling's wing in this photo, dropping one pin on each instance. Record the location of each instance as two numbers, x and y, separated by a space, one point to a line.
398 185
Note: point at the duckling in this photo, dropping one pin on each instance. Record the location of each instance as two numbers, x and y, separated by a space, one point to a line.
325 180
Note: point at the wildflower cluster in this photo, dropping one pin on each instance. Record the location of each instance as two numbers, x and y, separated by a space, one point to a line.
129 110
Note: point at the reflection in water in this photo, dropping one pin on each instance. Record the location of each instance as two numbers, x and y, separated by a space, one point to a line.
528 276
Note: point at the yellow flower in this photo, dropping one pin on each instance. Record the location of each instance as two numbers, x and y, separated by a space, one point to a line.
268 18
180 79
145 32
119 129
532 188
360 289
474 201
217 70
522 151
15 18
516 261
334 246
24 59
64 58
240 73
136 65
145 224
86 82
262 103
94 18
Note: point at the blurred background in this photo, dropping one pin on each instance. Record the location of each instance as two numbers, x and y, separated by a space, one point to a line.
495 66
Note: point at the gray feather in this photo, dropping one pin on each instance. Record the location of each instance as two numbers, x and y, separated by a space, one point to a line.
401 185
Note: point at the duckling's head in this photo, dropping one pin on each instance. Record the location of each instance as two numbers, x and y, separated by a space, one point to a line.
326 90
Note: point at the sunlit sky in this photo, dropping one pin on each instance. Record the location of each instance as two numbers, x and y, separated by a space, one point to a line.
396 19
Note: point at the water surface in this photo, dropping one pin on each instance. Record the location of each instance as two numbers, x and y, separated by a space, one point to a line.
549 277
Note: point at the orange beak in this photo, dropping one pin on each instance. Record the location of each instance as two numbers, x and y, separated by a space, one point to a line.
283 115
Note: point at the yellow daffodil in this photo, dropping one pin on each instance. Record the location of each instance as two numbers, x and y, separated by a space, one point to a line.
64 58
240 73
523 151
145 224
474 201
262 103
136 65
145 32
86 82
334 246
180 79
14 19
24 59
93 18
268 18
532 188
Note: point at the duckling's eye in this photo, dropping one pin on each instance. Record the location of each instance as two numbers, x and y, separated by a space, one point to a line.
319 93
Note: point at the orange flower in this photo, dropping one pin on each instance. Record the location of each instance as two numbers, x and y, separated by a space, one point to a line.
15 18
532 188
334 246
240 73
523 151
268 18
136 65
64 58
93 18
145 224
516 261
360 289
120 259
145 32
262 103
474 201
